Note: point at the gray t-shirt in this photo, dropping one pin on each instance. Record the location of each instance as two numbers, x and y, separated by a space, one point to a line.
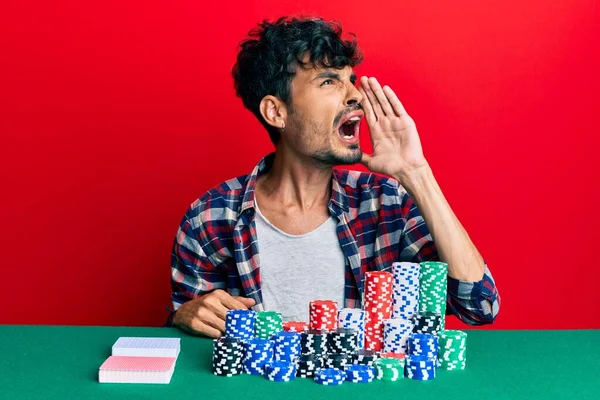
296 269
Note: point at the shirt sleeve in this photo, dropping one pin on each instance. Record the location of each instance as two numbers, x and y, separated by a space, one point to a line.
192 272
474 303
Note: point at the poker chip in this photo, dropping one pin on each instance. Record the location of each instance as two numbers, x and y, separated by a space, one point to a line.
400 332
228 355
405 302
330 376
323 315
308 364
452 350
433 288
389 369
286 346
377 306
353 318
423 344
338 360
258 352
395 335
313 342
365 357
267 323
420 368
295 326
399 356
360 373
342 340
280 371
427 322
240 324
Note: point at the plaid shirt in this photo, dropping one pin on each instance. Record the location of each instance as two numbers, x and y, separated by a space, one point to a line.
378 224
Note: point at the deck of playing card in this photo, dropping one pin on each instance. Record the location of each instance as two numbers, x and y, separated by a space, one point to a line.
148 347
140 360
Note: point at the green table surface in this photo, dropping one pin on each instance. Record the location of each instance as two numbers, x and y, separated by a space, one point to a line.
60 362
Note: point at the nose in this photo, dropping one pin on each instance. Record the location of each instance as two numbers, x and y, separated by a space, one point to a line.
353 98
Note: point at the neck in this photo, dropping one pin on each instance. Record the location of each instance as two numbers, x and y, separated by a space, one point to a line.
296 182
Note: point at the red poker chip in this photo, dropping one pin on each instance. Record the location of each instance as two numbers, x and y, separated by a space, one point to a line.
295 326
323 315
399 356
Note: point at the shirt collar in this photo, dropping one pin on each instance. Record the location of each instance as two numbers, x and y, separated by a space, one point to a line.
337 203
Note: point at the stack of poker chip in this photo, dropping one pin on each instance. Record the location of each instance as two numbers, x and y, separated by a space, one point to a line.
405 289
433 288
395 335
337 360
420 368
353 318
286 346
423 344
258 353
452 352
330 376
308 364
228 354
240 324
365 357
280 371
389 369
342 340
427 322
323 315
377 305
360 373
267 324
295 326
313 342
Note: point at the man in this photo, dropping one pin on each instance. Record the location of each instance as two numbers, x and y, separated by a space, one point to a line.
295 229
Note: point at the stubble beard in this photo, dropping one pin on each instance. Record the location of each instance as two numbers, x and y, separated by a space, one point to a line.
328 156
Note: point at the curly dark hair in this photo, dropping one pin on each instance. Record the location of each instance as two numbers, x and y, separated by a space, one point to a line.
268 58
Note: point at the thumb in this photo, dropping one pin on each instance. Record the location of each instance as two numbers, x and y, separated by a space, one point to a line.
366 159
245 300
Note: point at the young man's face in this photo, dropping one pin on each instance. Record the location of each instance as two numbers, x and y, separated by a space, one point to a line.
326 115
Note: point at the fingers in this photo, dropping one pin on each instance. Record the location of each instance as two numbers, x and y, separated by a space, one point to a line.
199 327
213 321
394 101
366 106
380 96
232 303
371 98
246 300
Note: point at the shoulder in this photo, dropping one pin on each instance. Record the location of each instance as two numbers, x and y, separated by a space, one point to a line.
358 184
220 203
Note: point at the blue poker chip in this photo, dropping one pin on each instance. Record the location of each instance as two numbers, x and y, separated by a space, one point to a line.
330 376
420 368
359 373
280 371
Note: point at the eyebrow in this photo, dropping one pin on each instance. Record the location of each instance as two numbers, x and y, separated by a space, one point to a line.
334 75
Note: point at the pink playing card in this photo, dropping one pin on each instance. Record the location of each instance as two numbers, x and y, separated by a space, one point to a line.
128 363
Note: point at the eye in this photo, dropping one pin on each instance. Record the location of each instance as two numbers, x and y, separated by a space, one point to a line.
328 80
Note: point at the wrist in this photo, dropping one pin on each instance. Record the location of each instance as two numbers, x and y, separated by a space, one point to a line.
413 178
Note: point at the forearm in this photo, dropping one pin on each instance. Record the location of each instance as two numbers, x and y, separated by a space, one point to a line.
453 244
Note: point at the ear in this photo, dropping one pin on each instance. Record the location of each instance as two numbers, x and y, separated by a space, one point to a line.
273 111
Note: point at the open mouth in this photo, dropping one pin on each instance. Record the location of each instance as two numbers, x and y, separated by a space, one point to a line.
349 130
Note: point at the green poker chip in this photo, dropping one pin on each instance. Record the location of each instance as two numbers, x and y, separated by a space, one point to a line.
433 288
452 349
267 324
389 369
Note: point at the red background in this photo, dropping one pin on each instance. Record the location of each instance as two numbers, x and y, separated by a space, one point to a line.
115 116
